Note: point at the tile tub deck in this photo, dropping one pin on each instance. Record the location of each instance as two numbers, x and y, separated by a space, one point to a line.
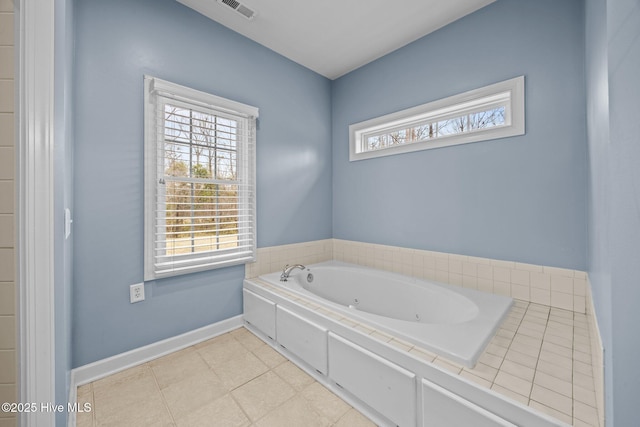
539 357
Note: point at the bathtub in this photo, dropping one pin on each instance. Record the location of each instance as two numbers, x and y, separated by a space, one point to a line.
454 322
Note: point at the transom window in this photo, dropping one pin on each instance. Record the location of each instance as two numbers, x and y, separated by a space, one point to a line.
200 181
491 112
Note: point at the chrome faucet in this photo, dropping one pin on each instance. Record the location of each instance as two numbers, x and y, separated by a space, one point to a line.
286 271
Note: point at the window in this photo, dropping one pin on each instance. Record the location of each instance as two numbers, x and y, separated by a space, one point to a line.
199 180
491 112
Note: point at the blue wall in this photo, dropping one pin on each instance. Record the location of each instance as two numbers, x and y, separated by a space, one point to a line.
613 61
521 198
117 42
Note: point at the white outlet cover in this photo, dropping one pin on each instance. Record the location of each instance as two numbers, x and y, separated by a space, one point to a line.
136 293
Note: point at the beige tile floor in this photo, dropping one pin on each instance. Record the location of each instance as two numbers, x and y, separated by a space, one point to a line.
231 380
540 357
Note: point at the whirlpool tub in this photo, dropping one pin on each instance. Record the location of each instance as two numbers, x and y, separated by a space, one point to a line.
451 321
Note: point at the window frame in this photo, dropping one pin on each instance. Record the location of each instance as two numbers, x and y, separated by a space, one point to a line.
157 94
508 93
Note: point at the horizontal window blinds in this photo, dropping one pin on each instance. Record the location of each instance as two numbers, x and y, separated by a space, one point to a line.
203 194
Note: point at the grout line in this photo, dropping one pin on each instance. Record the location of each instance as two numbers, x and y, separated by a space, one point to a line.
251 422
164 401
94 422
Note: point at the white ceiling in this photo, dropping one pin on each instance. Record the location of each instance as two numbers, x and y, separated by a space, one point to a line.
334 37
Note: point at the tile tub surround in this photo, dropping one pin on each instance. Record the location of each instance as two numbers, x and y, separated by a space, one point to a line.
551 286
540 357
274 258
234 380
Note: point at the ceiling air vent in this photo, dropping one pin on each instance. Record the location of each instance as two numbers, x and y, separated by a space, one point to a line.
240 8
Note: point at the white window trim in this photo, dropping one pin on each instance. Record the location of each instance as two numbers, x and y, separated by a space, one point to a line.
154 87
440 110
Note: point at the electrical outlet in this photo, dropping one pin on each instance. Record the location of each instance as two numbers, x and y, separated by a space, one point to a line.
136 292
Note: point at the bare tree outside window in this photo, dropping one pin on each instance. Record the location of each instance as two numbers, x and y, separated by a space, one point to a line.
438 129
201 193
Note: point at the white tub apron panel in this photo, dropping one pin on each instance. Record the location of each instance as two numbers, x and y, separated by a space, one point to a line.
305 339
260 312
379 383
440 407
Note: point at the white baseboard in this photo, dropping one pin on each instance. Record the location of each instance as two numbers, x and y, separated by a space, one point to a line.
111 365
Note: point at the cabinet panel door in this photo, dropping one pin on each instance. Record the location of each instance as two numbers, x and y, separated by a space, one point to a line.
381 384
260 312
305 339
440 407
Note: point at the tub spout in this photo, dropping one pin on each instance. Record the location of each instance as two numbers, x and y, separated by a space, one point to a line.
286 271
